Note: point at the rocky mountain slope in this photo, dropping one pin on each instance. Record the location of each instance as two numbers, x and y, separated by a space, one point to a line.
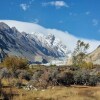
94 56
2 55
30 45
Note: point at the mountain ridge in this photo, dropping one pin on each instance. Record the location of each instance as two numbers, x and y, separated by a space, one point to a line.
66 37
29 45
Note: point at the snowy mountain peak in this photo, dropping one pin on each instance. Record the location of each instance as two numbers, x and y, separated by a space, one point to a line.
50 42
51 38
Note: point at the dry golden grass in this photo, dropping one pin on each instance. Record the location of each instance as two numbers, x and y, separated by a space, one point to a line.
60 93
53 93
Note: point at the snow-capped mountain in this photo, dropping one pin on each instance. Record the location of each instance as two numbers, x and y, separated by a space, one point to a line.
30 45
50 42
67 38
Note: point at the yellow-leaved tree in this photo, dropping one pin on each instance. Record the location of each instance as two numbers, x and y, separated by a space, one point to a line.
14 62
79 55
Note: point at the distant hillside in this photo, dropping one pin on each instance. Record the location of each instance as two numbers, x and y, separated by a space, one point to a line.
94 56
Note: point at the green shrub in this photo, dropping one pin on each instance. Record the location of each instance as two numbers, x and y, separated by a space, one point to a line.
98 76
65 78
81 77
92 80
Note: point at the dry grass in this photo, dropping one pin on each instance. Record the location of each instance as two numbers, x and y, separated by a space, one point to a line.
53 93
60 93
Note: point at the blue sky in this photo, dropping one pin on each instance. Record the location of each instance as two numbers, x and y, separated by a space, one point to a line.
79 17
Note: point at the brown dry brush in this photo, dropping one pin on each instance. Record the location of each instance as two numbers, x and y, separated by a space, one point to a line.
3 94
10 92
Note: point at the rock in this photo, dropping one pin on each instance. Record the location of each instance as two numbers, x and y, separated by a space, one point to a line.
2 54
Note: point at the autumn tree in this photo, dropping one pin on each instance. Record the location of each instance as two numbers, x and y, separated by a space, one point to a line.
79 53
13 62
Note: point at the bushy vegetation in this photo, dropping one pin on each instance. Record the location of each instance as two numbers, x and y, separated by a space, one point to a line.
84 77
87 65
93 80
13 62
81 77
18 73
42 77
52 76
63 76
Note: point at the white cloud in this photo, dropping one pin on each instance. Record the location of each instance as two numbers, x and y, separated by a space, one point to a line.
57 4
24 6
68 39
95 22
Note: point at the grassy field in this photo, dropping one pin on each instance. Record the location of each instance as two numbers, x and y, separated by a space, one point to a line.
57 93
